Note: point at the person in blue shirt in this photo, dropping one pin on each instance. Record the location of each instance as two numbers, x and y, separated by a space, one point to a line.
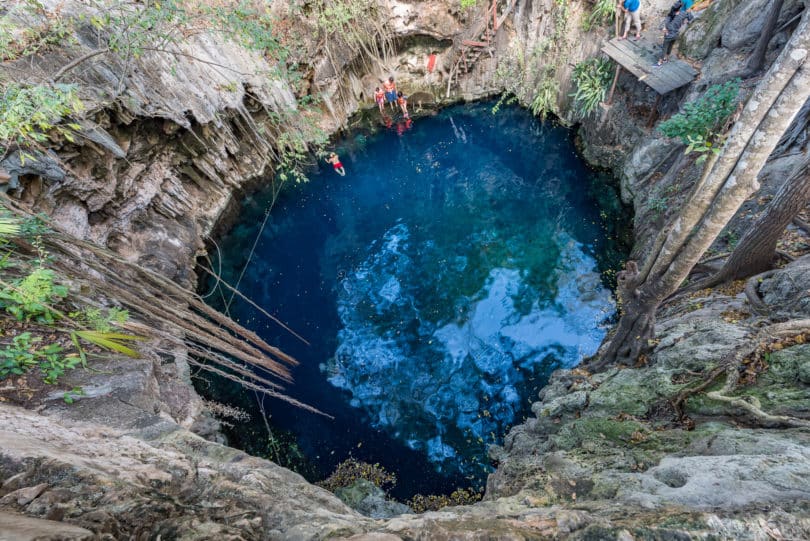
631 14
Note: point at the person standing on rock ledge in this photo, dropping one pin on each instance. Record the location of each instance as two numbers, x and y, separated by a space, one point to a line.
379 99
390 89
671 26
402 101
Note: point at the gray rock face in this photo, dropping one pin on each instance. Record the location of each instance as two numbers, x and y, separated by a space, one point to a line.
16 527
370 500
647 156
787 290
85 460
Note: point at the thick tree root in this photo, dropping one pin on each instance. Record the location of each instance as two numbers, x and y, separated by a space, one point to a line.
755 413
752 293
760 343
801 224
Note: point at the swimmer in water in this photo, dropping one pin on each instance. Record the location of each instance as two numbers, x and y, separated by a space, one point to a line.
335 161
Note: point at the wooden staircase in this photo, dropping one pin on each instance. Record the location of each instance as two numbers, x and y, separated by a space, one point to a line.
478 39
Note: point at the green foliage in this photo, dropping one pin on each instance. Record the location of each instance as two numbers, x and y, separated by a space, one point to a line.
31 298
10 225
248 23
603 11
16 358
731 238
29 113
468 3
533 81
433 502
333 16
658 204
24 353
561 12
294 146
134 28
592 78
70 396
697 143
349 471
545 97
100 320
700 124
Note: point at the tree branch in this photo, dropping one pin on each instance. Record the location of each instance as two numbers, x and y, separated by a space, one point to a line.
70 65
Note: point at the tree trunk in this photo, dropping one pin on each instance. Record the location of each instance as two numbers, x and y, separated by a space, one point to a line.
725 184
755 251
758 56
637 325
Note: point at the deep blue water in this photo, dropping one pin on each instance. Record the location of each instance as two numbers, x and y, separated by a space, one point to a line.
438 283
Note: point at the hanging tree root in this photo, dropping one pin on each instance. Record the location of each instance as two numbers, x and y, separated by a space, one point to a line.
165 311
763 342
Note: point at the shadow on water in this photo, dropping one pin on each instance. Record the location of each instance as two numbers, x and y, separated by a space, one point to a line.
458 263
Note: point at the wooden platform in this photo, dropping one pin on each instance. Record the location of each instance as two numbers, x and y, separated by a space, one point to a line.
639 58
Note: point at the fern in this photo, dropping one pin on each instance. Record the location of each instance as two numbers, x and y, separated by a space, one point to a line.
30 298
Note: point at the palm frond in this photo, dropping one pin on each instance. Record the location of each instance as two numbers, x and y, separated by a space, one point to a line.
112 341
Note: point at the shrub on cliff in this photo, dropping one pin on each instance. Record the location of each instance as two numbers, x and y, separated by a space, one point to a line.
700 124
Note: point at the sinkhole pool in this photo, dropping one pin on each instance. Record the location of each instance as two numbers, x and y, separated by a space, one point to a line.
439 283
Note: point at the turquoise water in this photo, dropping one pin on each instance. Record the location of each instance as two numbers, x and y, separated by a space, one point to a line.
438 284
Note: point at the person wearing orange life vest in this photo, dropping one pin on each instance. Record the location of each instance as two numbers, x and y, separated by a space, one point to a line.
390 89
402 101
379 99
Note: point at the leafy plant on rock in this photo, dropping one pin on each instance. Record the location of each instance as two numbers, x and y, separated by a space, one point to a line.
700 124
25 352
17 41
545 95
592 78
421 503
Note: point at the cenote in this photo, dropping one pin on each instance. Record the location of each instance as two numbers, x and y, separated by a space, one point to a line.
459 261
